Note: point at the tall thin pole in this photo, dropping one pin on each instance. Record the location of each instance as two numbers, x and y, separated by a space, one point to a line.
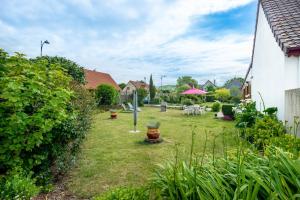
41 48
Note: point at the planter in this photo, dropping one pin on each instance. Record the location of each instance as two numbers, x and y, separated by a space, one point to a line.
153 133
113 114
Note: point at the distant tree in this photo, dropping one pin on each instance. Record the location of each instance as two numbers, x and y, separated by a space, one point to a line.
222 94
142 94
122 85
182 88
152 89
210 88
235 92
234 82
187 80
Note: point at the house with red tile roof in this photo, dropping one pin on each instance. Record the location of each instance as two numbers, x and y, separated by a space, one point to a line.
94 79
134 85
273 77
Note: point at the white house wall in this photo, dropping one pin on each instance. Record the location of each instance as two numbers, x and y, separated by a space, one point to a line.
268 68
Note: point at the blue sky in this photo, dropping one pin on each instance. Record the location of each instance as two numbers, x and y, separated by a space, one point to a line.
206 39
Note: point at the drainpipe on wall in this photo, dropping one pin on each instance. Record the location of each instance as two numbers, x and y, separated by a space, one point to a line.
298 72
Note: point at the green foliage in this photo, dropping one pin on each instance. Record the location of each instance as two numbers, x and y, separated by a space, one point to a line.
72 68
186 80
234 82
126 194
216 107
247 115
153 124
122 85
227 109
152 89
18 185
210 98
222 94
106 95
263 130
34 100
155 101
187 102
288 143
245 175
142 94
45 115
69 135
235 92
210 88
182 88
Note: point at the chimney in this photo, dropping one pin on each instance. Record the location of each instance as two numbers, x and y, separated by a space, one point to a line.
214 81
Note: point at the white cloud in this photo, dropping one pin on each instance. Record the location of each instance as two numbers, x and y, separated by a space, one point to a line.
125 54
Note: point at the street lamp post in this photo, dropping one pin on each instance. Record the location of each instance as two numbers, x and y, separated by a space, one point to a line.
161 78
42 44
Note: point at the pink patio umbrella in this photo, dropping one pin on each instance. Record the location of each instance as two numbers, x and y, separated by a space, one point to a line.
194 91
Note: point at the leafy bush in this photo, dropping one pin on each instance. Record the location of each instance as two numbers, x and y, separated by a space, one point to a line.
263 130
34 99
106 95
187 102
222 94
72 68
44 117
288 143
247 115
227 110
216 107
155 101
17 185
210 98
142 94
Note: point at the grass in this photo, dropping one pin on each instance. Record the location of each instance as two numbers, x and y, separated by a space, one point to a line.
113 157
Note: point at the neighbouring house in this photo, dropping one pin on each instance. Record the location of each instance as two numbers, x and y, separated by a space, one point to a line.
94 79
134 85
207 84
273 77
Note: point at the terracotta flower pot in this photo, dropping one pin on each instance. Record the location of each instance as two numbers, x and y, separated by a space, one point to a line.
113 115
153 133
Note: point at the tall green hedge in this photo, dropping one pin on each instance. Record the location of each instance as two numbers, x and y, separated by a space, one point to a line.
45 115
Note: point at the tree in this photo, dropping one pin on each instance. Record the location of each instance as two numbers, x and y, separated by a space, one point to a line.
106 95
187 80
234 82
235 92
72 68
222 94
182 88
122 85
142 94
210 88
152 89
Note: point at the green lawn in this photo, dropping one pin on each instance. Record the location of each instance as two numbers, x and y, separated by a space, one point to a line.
112 157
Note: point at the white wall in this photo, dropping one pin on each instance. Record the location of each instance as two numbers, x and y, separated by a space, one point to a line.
268 68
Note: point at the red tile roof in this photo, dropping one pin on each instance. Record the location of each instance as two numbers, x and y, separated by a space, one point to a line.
284 19
94 79
140 84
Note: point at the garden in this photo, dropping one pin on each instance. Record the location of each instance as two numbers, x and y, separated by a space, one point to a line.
54 131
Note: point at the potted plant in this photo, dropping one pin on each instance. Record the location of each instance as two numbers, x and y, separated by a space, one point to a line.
153 130
113 114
